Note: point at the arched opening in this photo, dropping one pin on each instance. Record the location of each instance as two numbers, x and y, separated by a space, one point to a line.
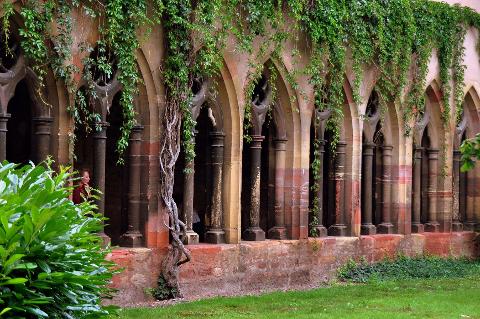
464 183
116 177
199 182
426 202
203 174
462 198
329 182
267 182
19 140
425 177
378 177
321 168
263 167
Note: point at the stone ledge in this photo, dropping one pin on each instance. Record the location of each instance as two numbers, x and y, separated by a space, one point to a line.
252 267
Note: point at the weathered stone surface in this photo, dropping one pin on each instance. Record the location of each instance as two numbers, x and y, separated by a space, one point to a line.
251 267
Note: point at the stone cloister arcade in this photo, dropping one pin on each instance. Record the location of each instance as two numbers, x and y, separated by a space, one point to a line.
379 180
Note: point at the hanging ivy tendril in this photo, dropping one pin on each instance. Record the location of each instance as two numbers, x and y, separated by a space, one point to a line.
393 35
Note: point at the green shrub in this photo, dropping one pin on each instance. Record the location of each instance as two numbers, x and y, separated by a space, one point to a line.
51 261
422 267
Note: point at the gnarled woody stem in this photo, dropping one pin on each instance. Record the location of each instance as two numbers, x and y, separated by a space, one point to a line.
169 152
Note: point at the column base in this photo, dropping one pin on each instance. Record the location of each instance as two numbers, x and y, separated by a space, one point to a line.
469 226
277 233
457 226
215 236
191 238
254 234
432 227
131 239
368 229
320 231
385 228
337 230
105 239
417 228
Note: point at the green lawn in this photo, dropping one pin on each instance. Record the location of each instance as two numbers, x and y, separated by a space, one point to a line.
434 298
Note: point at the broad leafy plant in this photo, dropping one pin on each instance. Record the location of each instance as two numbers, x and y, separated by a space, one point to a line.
470 153
51 261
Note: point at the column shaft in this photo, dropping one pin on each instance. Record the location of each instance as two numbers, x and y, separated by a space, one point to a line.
417 226
41 130
3 136
188 192
216 234
279 231
367 227
456 224
133 237
339 228
320 229
99 151
386 227
470 189
432 224
254 232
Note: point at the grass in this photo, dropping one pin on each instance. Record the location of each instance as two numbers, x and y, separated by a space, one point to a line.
409 298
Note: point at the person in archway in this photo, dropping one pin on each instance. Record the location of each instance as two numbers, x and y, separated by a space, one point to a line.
82 192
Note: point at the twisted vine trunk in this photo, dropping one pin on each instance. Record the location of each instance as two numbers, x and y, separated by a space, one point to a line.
177 254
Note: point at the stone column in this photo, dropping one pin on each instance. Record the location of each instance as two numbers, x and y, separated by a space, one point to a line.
41 131
254 232
99 152
456 224
279 231
3 136
470 189
367 227
320 229
216 234
417 226
133 237
386 227
432 224
339 228
188 192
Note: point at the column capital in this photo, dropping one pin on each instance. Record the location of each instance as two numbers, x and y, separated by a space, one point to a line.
387 147
340 147
433 153
367 148
100 133
418 152
43 119
280 144
4 117
387 150
257 141
138 128
217 134
135 133
217 138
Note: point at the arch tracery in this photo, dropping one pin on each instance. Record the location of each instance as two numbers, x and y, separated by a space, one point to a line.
464 183
25 115
427 143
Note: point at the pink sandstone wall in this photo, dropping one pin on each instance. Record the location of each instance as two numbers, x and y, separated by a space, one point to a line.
252 267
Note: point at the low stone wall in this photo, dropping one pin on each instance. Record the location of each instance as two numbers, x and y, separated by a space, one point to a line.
252 267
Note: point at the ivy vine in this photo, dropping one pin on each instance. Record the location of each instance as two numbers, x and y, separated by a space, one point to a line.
396 36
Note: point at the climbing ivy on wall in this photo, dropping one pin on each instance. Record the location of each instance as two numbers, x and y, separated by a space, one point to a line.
391 34
396 36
